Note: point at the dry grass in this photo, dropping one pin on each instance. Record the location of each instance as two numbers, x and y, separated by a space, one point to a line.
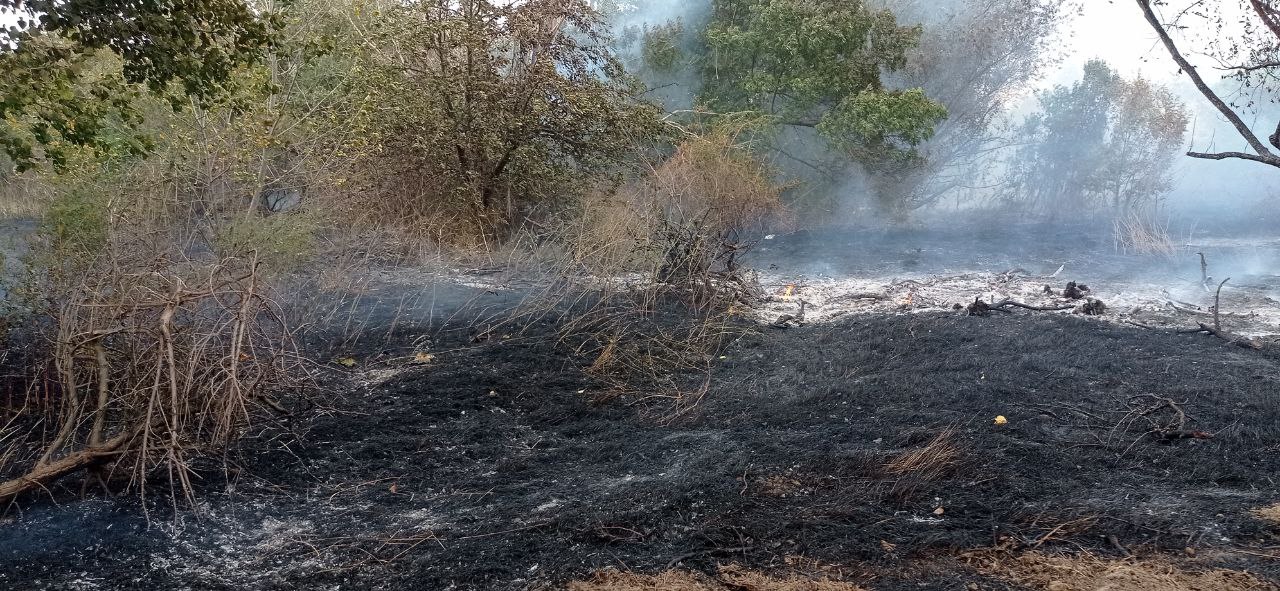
1086 572
728 578
918 468
1137 232
1269 513
22 196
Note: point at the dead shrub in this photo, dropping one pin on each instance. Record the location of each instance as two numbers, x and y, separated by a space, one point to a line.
648 279
143 351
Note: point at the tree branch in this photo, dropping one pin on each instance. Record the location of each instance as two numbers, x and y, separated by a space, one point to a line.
1268 159
1264 154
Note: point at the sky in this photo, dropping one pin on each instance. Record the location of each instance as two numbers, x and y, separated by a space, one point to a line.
1117 32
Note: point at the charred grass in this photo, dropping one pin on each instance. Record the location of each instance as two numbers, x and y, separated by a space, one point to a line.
867 443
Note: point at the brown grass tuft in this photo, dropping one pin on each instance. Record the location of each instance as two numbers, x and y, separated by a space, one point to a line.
1138 232
728 578
1269 513
1086 572
920 467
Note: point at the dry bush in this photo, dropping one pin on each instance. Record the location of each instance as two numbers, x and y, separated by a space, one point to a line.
916 469
141 367
684 221
728 577
648 275
143 347
1138 232
1086 572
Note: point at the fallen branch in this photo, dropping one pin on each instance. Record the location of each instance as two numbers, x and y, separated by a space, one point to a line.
859 296
981 308
1216 329
1229 338
48 472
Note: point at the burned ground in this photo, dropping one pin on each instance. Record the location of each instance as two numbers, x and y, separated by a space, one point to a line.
868 443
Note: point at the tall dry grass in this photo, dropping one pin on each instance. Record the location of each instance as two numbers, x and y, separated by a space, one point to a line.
1139 232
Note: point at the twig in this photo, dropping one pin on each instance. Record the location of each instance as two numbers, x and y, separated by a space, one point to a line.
1115 542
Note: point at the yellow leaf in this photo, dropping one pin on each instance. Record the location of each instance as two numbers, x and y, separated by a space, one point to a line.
345 361
1000 420
421 357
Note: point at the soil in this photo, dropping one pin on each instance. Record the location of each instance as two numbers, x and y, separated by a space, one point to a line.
868 443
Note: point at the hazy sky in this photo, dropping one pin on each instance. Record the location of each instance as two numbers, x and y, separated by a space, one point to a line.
1116 32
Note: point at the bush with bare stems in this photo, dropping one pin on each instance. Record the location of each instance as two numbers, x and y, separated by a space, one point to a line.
142 363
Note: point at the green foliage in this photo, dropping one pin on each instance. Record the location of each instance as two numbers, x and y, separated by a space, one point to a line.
883 122
660 46
818 64
55 100
197 43
75 226
284 242
57 93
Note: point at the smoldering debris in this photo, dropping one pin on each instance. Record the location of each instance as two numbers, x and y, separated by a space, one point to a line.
1075 291
1250 309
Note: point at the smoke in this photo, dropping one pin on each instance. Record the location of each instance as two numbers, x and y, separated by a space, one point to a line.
674 86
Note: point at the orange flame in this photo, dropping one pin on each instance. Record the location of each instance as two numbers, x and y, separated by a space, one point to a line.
786 296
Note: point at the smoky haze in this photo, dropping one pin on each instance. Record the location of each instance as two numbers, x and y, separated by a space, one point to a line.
992 63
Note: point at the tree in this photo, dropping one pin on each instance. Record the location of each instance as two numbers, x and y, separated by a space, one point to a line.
975 57
1146 127
1252 56
970 56
1103 141
819 66
499 107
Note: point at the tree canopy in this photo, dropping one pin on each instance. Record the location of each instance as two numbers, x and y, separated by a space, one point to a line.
47 70
1250 56
1101 140
819 64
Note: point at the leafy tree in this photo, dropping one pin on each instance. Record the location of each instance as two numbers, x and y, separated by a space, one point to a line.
1102 140
975 57
47 63
818 64
1146 127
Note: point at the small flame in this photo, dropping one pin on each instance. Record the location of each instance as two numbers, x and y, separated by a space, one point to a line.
911 298
786 296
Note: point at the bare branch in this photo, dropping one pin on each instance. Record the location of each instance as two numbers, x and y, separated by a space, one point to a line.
1264 154
1272 160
